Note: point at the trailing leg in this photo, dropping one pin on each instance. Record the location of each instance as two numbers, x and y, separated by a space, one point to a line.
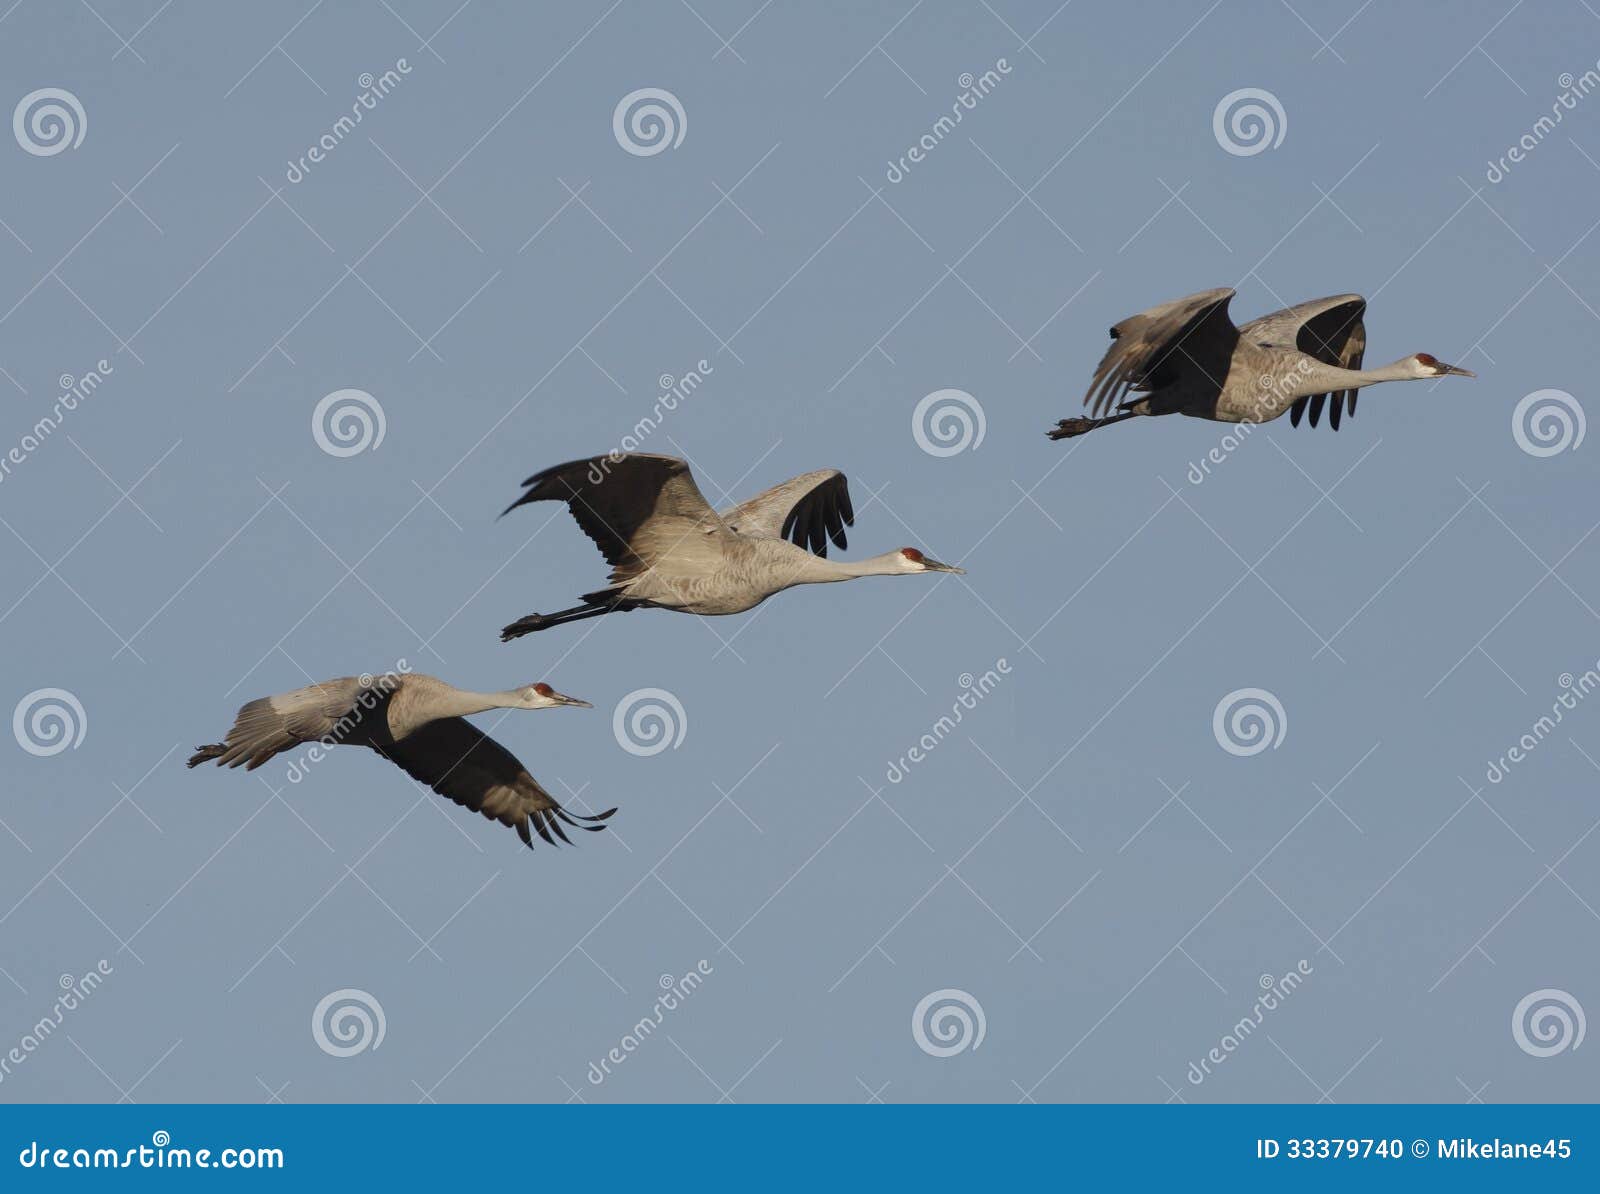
1067 428
595 604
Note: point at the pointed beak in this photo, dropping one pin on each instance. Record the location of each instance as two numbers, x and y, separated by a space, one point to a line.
562 698
934 565
1455 369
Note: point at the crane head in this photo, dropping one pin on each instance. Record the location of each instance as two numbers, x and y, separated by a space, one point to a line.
1427 365
542 696
913 560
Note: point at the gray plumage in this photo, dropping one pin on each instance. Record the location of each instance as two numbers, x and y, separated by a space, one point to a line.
668 549
1187 357
418 723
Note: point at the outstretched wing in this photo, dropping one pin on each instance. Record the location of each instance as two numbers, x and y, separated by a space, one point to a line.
808 510
272 724
1186 337
462 763
1330 329
634 506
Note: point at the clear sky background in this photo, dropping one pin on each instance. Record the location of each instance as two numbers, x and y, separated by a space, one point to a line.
1080 857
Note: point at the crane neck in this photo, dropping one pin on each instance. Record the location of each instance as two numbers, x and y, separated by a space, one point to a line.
423 699
815 570
1323 379
461 702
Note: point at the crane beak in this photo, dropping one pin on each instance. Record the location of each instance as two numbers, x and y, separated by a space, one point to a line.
933 565
562 698
1447 370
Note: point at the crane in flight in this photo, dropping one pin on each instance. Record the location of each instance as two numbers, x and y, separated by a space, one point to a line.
668 549
1186 357
419 724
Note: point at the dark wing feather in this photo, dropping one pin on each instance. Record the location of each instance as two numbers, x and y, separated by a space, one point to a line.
1330 329
462 763
612 497
1155 348
808 510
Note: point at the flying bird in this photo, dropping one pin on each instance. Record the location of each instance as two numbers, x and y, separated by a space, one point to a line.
1186 357
419 724
668 549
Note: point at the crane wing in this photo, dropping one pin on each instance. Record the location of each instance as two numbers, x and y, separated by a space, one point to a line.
462 763
634 506
1330 329
273 724
808 510
1188 336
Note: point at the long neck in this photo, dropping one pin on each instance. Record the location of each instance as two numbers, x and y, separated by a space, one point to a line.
817 571
458 702
1323 379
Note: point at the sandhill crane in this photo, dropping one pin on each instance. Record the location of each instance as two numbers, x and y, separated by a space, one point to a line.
669 550
418 723
1186 357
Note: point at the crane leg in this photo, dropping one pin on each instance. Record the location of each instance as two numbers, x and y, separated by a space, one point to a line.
1067 428
577 613
204 754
